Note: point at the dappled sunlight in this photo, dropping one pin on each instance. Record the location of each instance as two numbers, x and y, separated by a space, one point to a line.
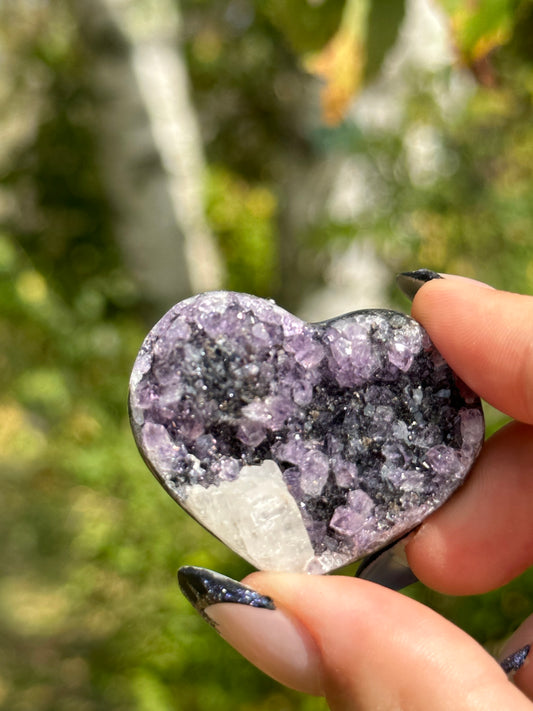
32 609
20 440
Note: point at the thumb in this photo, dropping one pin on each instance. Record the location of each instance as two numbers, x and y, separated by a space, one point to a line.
362 646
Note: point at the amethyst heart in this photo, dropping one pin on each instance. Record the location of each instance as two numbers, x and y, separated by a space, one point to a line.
301 446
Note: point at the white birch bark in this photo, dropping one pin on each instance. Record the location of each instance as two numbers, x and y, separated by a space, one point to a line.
150 145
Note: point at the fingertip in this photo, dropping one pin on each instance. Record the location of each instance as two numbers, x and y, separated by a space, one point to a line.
380 649
274 641
411 282
485 335
266 634
480 538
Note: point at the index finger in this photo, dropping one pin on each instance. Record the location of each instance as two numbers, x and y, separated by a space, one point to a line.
486 336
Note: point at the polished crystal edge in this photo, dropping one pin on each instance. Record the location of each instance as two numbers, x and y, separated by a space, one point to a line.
388 567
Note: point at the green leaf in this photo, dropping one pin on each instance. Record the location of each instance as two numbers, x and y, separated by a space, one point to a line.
479 27
384 21
307 25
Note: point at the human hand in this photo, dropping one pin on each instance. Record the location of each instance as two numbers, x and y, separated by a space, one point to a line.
366 647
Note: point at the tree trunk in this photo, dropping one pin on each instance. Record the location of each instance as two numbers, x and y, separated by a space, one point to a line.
150 146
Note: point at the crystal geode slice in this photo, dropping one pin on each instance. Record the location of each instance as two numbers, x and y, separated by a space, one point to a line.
301 446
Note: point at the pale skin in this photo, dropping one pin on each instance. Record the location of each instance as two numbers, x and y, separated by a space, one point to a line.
382 651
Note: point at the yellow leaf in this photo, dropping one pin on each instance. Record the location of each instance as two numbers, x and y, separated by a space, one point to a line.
340 64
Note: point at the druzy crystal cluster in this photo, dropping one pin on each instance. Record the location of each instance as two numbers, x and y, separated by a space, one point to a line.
301 446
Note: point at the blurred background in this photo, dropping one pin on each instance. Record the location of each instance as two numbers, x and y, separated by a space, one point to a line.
305 150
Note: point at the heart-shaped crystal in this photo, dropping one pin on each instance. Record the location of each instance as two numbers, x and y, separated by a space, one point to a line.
301 446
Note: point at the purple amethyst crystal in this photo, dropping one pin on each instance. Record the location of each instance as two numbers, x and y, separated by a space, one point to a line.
302 446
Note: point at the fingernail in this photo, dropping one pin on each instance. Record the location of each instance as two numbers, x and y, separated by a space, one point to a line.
388 567
410 282
204 588
515 661
250 622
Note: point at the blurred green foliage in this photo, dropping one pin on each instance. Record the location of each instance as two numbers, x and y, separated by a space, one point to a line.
316 24
90 615
245 227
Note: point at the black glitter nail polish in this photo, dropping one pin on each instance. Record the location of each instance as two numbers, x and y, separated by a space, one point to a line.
515 661
410 282
203 587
